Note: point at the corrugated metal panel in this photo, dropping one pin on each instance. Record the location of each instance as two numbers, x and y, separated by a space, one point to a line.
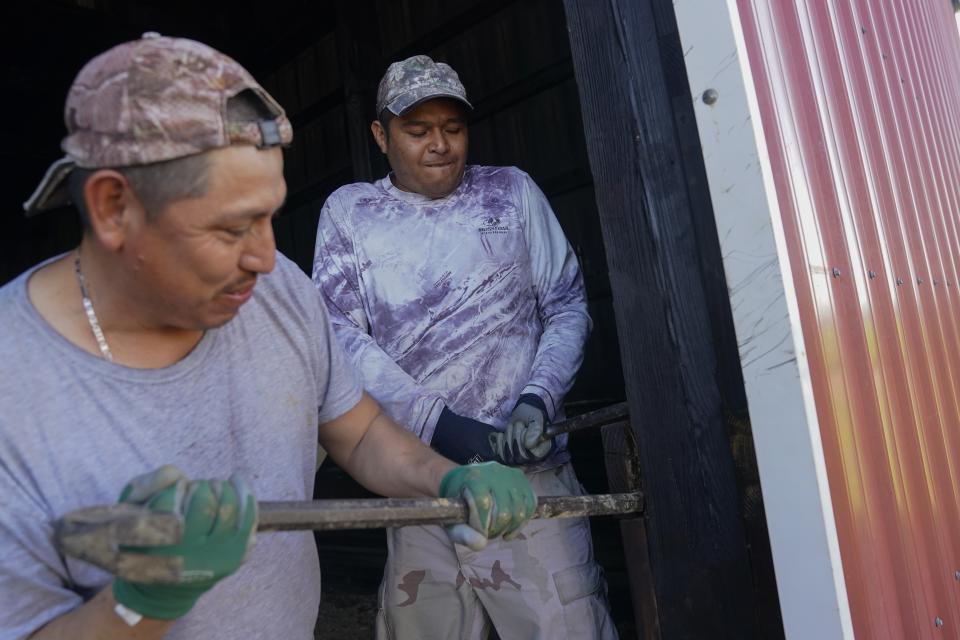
860 102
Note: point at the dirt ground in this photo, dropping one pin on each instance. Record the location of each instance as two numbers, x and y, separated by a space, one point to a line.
346 616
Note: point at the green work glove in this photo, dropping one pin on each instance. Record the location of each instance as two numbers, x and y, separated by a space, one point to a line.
499 500
219 520
523 441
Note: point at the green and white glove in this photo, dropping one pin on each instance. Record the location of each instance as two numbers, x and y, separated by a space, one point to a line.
523 441
219 521
499 499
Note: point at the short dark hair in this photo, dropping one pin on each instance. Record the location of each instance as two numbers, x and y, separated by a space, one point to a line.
384 119
155 185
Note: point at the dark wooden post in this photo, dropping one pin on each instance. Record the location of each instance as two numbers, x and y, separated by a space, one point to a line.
695 540
361 66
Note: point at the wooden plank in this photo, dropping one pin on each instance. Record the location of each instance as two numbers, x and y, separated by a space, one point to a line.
409 27
527 135
361 66
643 596
620 457
521 90
716 295
496 55
319 69
697 557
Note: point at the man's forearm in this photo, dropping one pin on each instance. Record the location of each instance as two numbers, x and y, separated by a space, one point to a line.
391 461
96 620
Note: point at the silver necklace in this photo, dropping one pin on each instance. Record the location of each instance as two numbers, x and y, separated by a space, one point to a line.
91 315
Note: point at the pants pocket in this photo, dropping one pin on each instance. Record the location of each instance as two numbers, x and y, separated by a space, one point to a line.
582 594
577 582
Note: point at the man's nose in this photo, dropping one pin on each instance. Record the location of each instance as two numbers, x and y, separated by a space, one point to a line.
438 142
260 253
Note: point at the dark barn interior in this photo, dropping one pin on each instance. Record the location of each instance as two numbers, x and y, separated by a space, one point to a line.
322 61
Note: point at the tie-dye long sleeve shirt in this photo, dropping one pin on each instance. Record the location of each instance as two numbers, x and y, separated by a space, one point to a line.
467 301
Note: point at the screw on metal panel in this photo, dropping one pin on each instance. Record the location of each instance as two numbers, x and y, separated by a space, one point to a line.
710 97
899 281
938 622
872 274
956 576
836 272
919 280
935 281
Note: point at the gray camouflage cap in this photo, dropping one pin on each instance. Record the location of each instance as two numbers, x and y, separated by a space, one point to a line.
151 100
418 78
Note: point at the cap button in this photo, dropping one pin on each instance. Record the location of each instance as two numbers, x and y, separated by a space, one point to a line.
149 35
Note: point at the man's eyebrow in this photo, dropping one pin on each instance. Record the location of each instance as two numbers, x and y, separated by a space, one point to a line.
251 213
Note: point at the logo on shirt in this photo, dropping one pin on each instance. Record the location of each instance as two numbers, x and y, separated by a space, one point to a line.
492 225
443 281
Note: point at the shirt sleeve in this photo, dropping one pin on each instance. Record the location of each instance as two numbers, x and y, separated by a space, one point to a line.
336 274
561 300
32 574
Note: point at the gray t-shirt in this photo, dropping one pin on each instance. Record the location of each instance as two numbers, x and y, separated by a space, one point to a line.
75 428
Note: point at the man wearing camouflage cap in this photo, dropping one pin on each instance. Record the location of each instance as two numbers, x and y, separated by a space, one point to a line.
176 334
456 294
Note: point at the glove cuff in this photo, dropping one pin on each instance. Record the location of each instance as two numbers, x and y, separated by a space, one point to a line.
445 482
158 601
462 439
533 400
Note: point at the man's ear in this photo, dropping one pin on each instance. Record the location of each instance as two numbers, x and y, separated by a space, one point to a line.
109 200
379 135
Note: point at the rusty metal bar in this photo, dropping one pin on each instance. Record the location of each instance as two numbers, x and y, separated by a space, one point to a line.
598 418
98 534
398 512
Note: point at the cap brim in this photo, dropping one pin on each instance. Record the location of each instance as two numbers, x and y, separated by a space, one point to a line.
52 193
409 100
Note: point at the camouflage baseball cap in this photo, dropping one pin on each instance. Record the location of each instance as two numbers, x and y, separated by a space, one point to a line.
151 100
418 78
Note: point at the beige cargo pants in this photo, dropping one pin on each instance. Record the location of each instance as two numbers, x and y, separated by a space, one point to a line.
543 585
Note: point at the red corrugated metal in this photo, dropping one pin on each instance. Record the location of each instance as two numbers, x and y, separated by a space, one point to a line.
860 102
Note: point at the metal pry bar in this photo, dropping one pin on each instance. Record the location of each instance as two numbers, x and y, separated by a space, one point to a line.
97 534
323 515
598 418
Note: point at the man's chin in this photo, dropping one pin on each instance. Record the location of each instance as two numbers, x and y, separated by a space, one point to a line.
220 323
441 191
218 319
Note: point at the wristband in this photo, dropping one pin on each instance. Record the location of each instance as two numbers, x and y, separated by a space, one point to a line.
131 617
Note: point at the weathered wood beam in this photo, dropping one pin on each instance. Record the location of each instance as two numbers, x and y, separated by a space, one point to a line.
361 66
698 560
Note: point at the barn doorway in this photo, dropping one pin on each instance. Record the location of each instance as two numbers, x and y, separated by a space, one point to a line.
322 61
